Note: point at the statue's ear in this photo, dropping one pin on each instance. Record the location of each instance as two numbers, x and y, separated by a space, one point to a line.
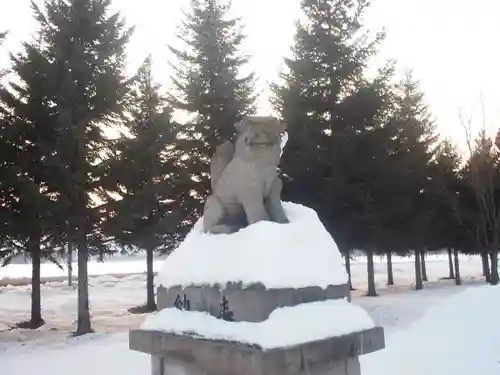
241 126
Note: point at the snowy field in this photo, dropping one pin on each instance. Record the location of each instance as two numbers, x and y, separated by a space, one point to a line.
120 265
413 320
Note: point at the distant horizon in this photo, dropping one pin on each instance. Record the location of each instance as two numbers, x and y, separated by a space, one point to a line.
447 44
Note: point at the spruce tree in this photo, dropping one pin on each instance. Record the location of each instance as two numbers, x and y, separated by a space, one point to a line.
481 200
3 156
85 45
320 88
414 132
209 82
27 134
149 175
446 229
334 116
2 38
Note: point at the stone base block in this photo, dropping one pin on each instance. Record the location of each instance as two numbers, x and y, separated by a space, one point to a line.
253 303
164 366
192 355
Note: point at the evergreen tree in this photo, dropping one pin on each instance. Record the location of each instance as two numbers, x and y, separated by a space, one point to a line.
85 45
26 143
150 177
334 117
413 135
470 237
2 38
482 175
363 191
210 85
4 155
445 228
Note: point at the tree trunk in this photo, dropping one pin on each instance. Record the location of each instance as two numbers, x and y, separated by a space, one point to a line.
494 267
458 279
486 266
450 263
371 275
70 263
424 268
390 274
36 320
348 269
150 301
80 227
418 271
84 325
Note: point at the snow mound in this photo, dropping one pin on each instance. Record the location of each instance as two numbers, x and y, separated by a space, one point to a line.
294 255
285 327
458 336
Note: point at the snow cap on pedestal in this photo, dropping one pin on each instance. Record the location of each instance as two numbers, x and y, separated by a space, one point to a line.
295 255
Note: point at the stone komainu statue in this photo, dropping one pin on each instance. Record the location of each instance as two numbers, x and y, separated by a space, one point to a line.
246 187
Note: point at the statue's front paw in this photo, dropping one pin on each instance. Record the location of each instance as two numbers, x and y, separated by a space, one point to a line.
223 229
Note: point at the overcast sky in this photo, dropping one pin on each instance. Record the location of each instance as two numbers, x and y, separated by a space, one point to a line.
451 45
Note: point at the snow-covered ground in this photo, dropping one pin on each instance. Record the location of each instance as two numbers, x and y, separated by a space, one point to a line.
399 309
125 265
458 335
111 295
119 265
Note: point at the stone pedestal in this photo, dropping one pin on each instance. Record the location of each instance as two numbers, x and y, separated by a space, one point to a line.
246 277
270 260
252 303
174 354
188 354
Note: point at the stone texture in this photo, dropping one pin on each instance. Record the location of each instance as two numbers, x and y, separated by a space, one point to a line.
196 356
157 365
246 187
253 304
172 366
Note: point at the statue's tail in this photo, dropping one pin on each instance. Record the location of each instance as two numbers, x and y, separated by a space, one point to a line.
222 157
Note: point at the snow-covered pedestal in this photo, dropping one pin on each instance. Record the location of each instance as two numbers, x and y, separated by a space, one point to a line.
257 269
315 338
251 303
284 288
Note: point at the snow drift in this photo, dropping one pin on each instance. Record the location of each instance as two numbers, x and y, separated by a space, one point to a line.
458 336
294 255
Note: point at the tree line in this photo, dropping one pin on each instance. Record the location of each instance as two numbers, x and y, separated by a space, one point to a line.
92 159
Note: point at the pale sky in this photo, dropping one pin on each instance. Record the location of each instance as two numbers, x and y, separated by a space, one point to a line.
451 45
